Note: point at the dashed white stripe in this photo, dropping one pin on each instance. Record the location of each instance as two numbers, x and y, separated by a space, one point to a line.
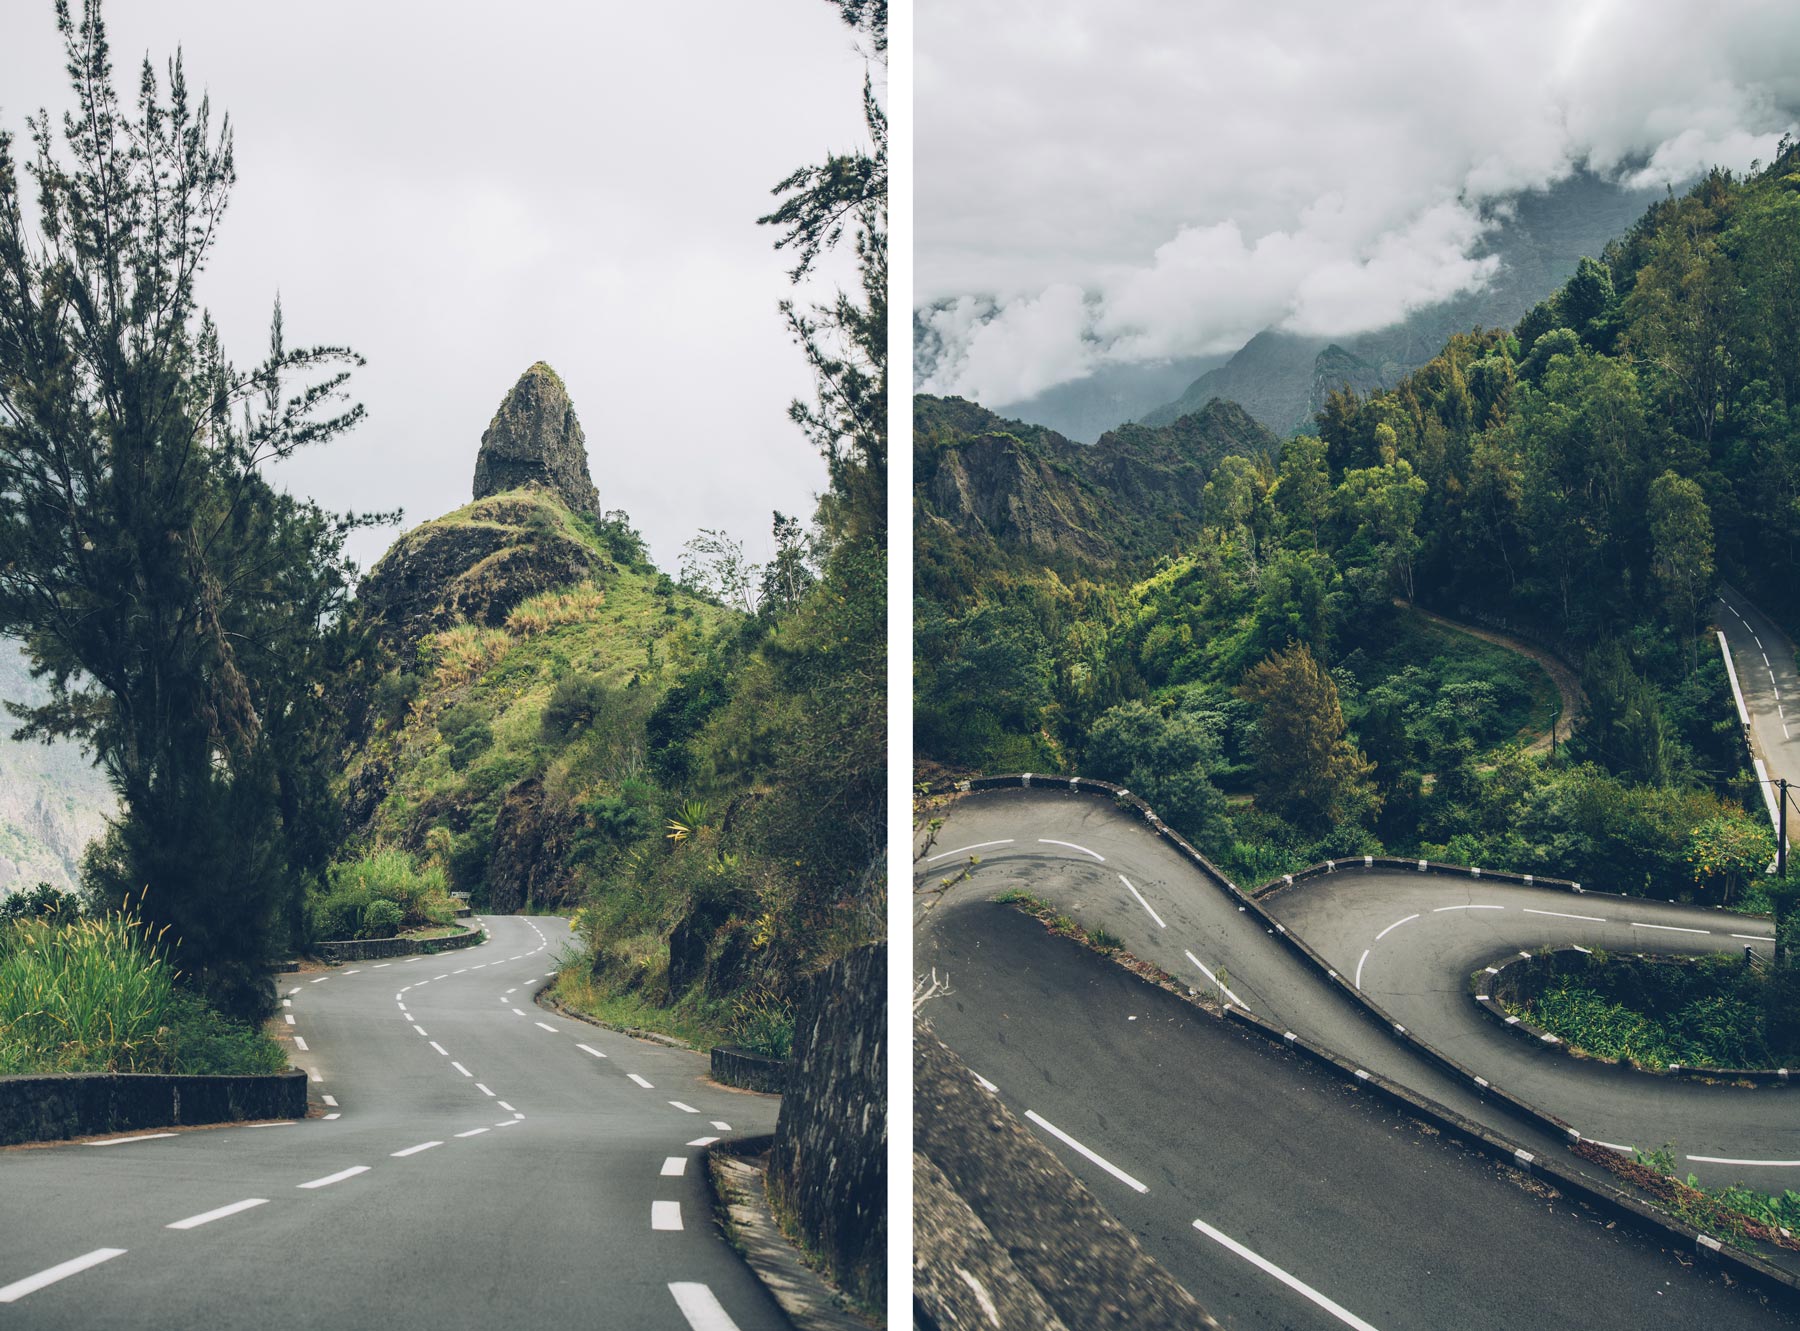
665 1215
702 1310
640 1081
472 1132
979 845
1669 928
686 1109
1100 1160
460 1068
300 1044
589 1049
1564 915
1395 925
1052 841
544 1025
62 1271
1300 1287
1145 904
674 1166
440 1048
338 1177
1209 975
414 1150
207 1217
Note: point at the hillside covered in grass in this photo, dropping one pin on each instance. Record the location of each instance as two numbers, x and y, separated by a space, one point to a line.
542 720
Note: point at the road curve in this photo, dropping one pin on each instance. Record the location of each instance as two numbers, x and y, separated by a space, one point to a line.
472 1159
1108 869
1274 1193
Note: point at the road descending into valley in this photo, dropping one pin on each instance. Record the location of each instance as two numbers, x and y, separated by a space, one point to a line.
473 1160
1277 1195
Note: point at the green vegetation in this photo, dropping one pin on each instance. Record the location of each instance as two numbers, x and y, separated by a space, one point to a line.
179 608
1701 1012
379 895
100 995
1742 1217
1582 480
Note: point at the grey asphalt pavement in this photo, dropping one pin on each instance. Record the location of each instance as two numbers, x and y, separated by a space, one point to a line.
473 1160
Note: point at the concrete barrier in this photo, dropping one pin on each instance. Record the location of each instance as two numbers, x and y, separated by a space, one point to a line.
86 1104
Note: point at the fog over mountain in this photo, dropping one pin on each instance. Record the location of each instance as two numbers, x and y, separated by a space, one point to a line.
1140 183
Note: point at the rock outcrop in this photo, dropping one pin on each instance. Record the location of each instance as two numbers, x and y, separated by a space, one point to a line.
473 566
534 439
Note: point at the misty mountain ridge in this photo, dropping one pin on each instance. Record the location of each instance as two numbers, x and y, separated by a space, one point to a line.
53 800
1282 378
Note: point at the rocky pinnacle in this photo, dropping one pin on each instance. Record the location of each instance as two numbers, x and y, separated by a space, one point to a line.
534 438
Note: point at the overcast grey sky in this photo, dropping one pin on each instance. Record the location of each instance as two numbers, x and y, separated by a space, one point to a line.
1141 179
459 189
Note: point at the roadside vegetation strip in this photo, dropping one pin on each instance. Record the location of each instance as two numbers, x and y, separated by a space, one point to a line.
1742 1216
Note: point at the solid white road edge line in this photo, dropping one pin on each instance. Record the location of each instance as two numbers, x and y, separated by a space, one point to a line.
1359 965
338 1177
702 1310
20 1288
140 1137
1300 1287
207 1217
1145 904
665 1215
1069 1141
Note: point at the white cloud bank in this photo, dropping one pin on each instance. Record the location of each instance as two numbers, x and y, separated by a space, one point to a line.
1140 180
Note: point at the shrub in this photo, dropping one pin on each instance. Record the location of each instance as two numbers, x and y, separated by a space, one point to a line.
380 919
574 705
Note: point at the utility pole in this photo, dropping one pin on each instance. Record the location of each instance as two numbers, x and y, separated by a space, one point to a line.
1781 834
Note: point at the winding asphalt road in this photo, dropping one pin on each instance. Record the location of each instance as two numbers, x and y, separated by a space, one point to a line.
1203 1134
472 1160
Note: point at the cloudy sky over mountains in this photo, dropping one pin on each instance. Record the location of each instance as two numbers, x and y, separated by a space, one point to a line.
457 190
1138 180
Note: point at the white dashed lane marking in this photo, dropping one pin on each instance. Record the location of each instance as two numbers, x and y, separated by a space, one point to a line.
1076 1146
674 1166
207 1217
338 1177
640 1081
1140 900
414 1150
62 1271
701 1307
665 1215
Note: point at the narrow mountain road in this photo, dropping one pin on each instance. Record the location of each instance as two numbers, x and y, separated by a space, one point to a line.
1169 1126
475 1160
1762 657
1568 685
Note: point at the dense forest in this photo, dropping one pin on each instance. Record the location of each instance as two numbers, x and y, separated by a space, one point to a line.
1583 481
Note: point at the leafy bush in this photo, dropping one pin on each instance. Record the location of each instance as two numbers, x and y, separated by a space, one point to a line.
466 734
574 704
386 890
380 919
42 902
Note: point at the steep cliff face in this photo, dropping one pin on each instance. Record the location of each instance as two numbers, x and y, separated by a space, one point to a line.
535 439
1128 498
53 801
476 566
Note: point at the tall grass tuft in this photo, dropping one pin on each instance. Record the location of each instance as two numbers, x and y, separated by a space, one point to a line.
99 995
466 651
546 611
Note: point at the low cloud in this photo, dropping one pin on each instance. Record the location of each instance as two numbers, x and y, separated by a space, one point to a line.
1141 181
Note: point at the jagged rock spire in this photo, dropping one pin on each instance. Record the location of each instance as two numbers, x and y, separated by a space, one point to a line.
534 437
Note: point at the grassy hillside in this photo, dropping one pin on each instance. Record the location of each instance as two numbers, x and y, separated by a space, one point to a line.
548 722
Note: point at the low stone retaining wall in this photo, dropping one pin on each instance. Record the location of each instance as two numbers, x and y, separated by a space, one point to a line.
85 1104
341 950
747 1070
1513 979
